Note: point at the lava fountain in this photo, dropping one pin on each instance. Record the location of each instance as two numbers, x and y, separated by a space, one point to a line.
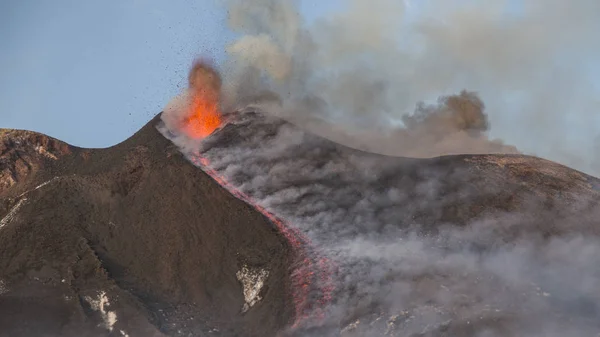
196 113
203 115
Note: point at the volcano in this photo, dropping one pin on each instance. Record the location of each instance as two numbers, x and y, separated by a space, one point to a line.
264 229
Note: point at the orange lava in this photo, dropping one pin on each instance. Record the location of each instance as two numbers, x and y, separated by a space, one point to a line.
204 115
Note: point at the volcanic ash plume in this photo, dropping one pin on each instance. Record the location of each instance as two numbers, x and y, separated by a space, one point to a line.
196 112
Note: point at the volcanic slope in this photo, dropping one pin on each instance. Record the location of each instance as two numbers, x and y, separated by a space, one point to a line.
130 240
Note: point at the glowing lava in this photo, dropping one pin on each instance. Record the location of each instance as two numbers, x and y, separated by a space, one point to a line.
203 115
204 118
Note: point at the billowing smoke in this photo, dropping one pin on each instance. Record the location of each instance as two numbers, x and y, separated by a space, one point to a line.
354 74
425 247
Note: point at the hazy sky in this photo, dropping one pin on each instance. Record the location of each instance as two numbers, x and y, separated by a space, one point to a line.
92 72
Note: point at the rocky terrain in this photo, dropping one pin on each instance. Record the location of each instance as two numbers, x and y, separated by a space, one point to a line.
144 239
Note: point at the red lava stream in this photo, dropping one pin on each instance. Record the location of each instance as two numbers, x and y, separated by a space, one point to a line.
311 273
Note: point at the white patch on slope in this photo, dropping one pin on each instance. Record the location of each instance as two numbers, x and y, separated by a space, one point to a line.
109 317
45 183
39 186
3 288
252 280
11 214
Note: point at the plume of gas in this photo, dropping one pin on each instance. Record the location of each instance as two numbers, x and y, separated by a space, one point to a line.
360 69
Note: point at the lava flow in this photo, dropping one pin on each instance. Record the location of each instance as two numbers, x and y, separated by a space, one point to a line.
311 273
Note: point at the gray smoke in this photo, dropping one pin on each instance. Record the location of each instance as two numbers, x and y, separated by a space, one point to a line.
353 75
429 247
